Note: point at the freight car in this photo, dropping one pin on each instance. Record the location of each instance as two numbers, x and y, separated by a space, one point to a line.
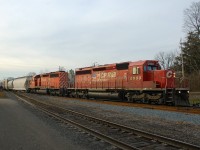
141 81
5 84
10 85
17 84
1 85
21 83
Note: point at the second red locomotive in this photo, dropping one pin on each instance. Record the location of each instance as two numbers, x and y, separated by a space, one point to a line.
52 83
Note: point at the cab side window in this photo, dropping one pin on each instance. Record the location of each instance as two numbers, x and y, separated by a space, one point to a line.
145 68
136 70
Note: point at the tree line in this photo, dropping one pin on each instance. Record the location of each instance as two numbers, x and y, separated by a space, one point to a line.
188 58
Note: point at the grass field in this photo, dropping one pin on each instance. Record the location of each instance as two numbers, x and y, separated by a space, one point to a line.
194 98
195 101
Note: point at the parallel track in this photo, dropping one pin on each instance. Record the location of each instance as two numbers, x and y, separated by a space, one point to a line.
137 139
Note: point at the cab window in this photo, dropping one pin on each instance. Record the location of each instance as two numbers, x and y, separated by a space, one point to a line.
150 67
145 68
136 70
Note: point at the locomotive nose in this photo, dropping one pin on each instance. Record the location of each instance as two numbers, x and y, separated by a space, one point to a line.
169 74
165 78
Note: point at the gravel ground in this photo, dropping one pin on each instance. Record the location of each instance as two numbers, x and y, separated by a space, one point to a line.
66 136
181 126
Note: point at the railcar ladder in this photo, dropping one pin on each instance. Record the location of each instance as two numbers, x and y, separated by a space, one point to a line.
169 95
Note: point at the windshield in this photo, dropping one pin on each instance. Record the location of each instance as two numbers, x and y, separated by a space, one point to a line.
150 67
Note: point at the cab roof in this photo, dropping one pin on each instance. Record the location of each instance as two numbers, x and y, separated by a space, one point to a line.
131 63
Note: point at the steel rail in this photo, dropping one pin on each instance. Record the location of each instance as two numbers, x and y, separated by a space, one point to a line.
101 136
157 137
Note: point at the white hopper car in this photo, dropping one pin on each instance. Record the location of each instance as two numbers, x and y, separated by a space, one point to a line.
17 84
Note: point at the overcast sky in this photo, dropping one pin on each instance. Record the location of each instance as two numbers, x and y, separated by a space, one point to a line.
41 35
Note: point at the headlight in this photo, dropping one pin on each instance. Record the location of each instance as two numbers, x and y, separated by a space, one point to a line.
174 74
188 92
179 92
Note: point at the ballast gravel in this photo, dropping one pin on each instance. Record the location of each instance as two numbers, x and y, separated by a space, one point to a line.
180 126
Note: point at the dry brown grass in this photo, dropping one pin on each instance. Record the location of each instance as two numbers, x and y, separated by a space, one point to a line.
194 98
2 95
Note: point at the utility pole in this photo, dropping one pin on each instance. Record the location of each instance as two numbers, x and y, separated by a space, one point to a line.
183 75
94 64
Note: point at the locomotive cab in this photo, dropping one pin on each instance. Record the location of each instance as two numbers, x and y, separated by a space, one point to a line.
161 78
173 90
150 69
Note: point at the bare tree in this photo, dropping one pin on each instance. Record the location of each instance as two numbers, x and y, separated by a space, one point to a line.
10 78
192 18
31 74
166 59
44 71
94 64
71 77
61 68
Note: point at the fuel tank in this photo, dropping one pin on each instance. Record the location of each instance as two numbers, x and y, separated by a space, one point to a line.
103 95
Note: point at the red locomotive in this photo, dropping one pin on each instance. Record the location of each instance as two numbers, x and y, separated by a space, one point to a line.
52 83
142 81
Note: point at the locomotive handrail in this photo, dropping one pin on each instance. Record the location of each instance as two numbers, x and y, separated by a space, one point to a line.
183 82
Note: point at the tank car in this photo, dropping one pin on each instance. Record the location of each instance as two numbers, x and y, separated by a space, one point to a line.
141 81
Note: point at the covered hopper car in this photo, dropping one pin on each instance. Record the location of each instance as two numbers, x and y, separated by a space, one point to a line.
10 85
22 83
5 84
17 84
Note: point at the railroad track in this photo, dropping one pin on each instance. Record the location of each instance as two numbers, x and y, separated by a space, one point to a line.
182 109
120 136
185 109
